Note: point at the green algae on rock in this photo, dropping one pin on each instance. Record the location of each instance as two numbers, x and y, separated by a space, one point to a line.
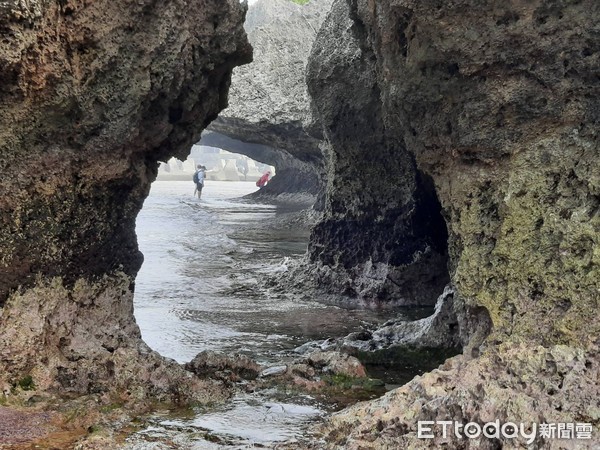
497 104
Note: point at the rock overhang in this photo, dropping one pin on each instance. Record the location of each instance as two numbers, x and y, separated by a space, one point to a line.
93 95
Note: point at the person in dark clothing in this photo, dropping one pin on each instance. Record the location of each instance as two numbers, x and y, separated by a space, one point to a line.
199 177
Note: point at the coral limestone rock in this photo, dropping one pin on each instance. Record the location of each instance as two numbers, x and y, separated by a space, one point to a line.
498 104
92 95
382 230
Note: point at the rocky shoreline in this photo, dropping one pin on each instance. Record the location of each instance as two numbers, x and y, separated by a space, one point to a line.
34 419
452 147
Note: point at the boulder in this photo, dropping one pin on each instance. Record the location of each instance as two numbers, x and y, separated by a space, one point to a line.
211 364
336 363
274 371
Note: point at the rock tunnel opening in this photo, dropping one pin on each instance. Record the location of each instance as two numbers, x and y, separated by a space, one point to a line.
235 229
293 176
218 165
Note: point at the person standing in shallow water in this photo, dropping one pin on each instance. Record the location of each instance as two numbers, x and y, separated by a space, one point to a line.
199 177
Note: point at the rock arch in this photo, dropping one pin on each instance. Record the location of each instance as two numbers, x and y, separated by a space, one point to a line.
92 96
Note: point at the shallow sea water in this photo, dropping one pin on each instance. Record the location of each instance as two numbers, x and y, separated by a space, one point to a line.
197 290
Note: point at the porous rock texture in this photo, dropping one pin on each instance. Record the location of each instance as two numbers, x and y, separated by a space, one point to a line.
269 103
436 331
92 95
382 236
498 104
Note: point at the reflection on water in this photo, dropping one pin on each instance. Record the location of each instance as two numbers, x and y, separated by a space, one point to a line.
244 419
244 423
197 290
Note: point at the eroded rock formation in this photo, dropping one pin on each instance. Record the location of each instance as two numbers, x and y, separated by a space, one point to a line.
93 94
269 103
498 104
440 330
383 236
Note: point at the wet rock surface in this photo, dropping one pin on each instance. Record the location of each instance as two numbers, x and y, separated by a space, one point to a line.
496 105
336 363
440 330
92 96
330 374
237 368
210 364
274 371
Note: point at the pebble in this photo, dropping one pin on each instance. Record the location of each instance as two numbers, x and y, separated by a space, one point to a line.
273 371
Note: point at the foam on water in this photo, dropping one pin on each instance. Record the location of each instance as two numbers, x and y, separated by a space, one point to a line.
197 290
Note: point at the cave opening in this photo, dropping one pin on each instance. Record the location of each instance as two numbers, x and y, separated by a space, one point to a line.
418 248
293 177
429 327
220 164
195 289
429 216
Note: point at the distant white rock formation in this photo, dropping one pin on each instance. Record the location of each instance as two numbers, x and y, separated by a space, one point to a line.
221 166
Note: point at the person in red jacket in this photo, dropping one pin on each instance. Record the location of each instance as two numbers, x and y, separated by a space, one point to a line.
262 181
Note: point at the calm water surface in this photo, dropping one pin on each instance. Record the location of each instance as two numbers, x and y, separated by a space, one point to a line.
197 290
